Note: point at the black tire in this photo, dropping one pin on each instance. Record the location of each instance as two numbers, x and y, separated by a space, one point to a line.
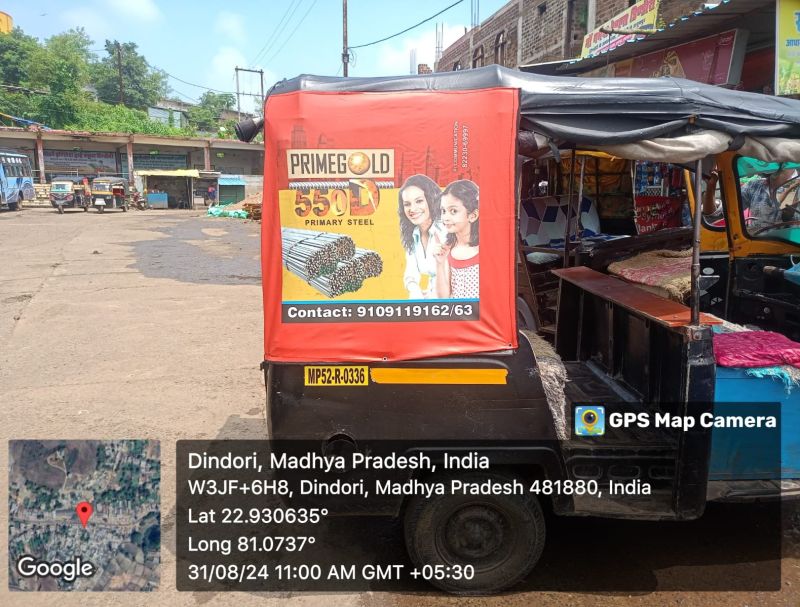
124 208
501 536
14 206
61 209
85 208
101 209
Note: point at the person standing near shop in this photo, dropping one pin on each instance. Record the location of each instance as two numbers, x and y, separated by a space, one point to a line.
212 195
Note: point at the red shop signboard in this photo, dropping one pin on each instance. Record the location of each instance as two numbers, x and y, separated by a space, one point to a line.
714 60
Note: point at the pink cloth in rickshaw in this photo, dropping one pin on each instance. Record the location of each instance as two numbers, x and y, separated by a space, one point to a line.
755 349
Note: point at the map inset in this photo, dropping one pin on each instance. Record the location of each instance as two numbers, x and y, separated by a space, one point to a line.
114 486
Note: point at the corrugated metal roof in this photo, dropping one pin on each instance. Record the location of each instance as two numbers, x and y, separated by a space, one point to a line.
710 20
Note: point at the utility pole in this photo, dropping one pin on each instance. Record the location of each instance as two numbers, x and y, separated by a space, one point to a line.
345 52
261 74
119 71
238 102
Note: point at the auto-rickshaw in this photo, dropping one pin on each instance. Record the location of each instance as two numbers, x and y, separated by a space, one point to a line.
69 192
752 256
348 362
110 192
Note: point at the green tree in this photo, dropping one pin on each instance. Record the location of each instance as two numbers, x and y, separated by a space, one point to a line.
142 85
16 49
62 63
59 68
207 114
19 104
103 117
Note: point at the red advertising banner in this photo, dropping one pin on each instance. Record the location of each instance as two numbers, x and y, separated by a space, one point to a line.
715 59
388 225
653 213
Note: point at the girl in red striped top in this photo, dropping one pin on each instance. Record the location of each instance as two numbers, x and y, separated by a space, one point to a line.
457 275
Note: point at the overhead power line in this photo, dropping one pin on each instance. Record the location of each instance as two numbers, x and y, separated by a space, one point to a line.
181 80
299 23
185 96
408 29
200 86
273 37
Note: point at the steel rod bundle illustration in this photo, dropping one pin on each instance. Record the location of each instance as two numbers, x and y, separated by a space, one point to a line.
370 263
328 262
310 254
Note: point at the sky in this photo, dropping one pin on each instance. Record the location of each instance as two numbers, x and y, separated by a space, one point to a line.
200 42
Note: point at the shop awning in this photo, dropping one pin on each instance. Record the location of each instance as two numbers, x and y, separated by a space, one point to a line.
231 180
170 173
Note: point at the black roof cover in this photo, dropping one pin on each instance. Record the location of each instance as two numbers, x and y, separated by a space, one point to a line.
599 111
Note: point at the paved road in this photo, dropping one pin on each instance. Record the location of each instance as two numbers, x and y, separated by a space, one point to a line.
148 325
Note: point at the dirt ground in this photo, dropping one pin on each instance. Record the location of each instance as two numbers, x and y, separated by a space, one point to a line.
148 325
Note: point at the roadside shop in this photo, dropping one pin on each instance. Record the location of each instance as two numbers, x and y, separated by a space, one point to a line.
168 189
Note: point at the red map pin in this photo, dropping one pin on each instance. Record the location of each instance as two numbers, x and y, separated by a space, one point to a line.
84 511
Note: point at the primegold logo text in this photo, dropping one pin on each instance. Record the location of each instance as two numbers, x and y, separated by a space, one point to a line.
340 164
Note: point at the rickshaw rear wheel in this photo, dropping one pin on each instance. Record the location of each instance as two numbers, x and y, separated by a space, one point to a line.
500 536
100 209
61 209
124 208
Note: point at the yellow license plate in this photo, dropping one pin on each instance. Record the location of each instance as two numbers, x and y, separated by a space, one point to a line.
336 376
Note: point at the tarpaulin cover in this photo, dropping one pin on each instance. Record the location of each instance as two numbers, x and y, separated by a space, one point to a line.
599 111
674 149
221 211
755 349
353 270
747 167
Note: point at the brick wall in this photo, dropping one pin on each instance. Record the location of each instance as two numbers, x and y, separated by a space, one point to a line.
458 52
668 10
542 30
484 45
609 8
543 24
487 38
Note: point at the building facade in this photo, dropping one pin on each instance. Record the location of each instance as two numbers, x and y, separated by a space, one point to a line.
537 31
54 152
175 112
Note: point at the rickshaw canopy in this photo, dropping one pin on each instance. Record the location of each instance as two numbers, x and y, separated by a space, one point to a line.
686 120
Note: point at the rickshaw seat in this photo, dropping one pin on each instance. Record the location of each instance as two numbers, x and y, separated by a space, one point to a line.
665 312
